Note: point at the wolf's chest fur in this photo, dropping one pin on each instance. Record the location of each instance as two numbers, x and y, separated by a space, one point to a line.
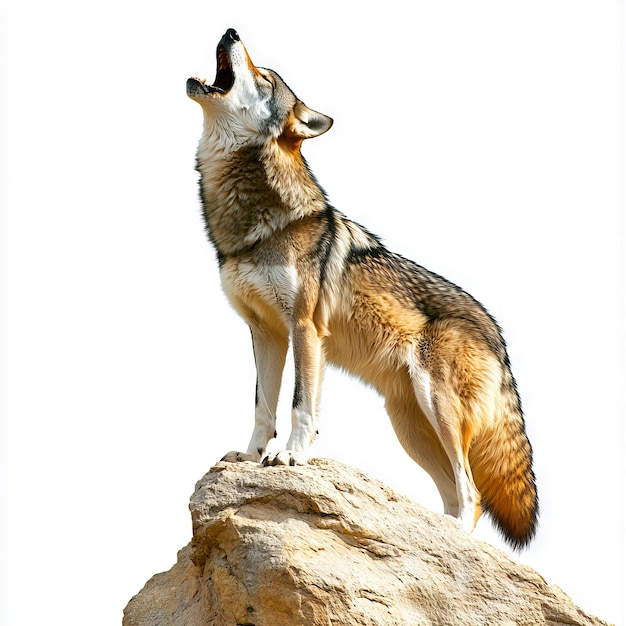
264 217
266 291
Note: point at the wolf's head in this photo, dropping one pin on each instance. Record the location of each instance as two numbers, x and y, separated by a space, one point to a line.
247 105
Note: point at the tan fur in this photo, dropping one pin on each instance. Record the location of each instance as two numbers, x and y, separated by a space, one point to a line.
299 271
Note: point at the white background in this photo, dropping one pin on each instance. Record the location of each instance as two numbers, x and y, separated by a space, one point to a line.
479 138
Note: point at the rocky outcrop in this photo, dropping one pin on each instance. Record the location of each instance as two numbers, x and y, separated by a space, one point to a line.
325 545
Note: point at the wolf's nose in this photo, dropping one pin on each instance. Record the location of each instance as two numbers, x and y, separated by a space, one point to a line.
231 33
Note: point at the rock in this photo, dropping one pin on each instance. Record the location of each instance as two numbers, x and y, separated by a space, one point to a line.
323 544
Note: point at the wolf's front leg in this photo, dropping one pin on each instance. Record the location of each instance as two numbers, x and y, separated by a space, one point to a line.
308 360
270 350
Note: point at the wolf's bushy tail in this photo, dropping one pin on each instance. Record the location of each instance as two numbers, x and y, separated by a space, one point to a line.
501 462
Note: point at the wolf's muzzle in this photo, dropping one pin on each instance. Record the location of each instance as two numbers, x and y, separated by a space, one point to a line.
231 34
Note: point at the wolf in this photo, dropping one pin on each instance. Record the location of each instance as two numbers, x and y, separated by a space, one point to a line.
300 272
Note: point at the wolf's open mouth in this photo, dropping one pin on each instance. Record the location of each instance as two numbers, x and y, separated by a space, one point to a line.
224 78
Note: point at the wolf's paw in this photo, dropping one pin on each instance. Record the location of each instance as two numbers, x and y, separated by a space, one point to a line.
284 457
238 457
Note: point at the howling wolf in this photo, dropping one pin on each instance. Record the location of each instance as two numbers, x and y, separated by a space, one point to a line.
298 270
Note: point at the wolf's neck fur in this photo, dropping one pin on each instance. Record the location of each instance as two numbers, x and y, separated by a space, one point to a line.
250 193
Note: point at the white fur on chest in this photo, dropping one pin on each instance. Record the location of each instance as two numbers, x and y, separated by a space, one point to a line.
273 286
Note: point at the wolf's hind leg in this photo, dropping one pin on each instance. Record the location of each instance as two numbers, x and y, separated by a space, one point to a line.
445 417
420 441
270 350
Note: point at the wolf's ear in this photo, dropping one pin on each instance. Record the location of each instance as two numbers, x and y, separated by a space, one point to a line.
309 123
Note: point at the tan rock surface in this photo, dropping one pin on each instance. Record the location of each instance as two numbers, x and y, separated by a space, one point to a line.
325 545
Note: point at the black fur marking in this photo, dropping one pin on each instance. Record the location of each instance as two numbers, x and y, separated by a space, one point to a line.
327 240
260 451
275 434
297 392
292 461
356 255
256 387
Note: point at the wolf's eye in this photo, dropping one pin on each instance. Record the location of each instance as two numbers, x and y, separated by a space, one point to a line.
268 81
